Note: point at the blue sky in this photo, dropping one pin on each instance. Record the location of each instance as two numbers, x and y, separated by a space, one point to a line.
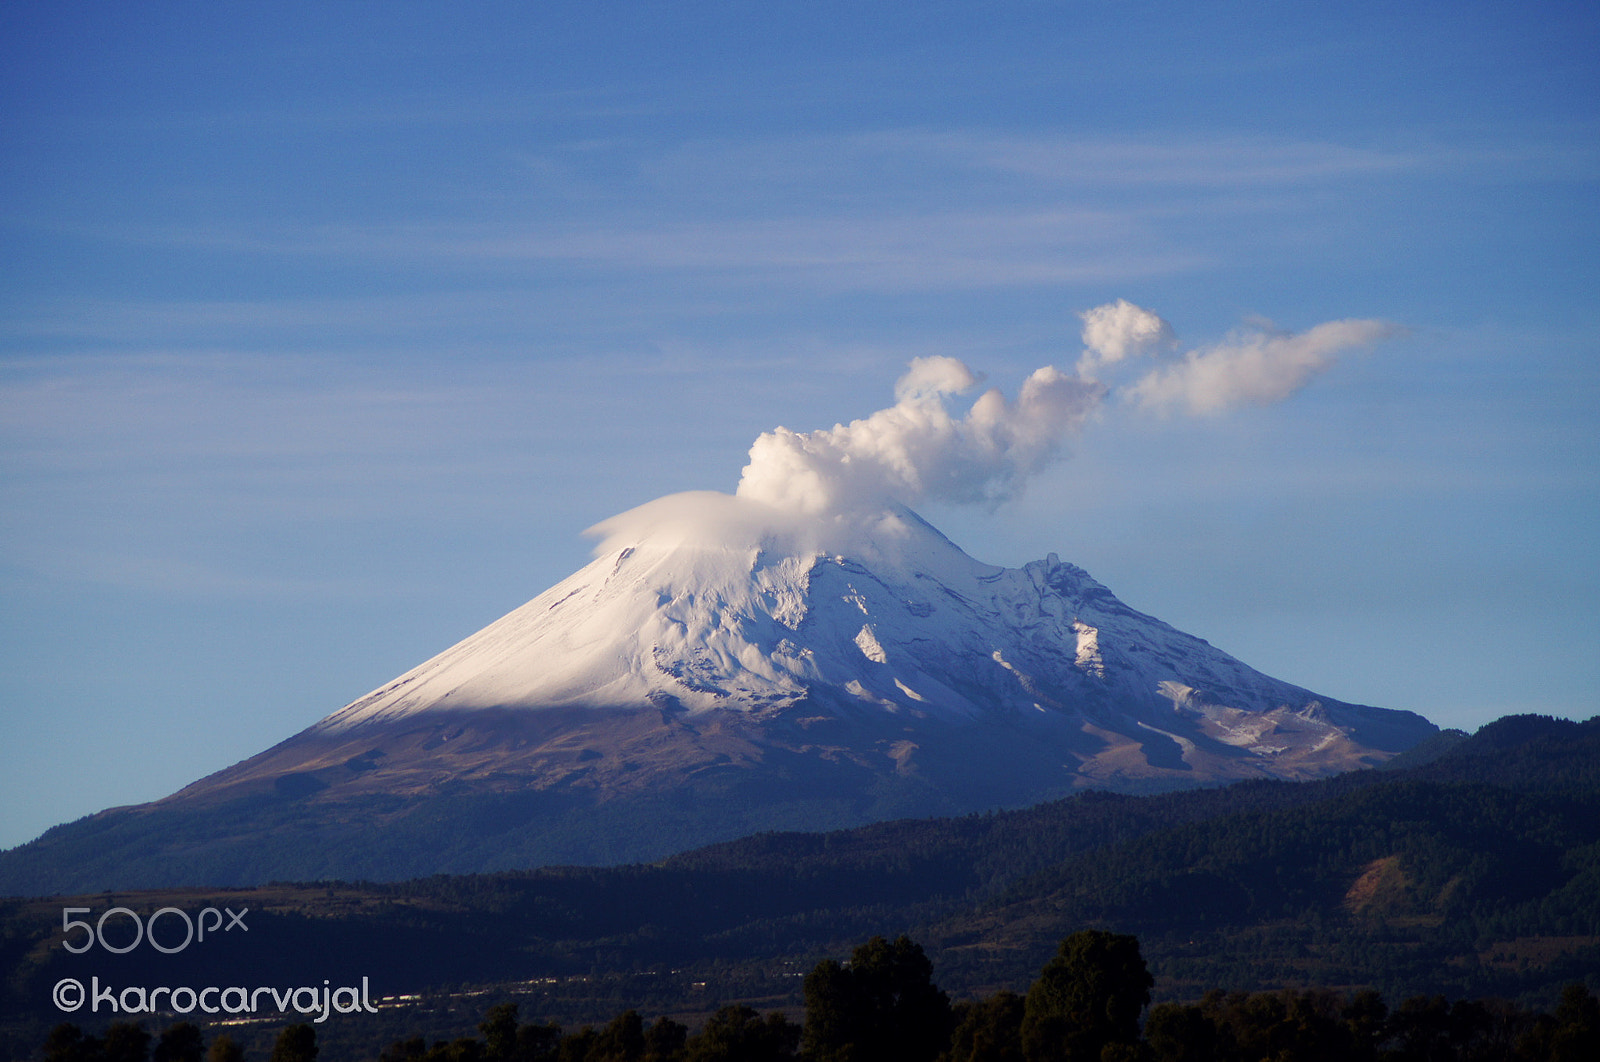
326 329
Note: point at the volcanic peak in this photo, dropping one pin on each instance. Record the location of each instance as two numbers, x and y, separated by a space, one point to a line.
705 602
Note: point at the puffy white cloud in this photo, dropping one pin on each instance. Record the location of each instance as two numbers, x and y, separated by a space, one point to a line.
936 375
1118 329
1256 367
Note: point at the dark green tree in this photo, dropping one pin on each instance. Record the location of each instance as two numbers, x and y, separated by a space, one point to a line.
883 1007
1087 997
1364 1014
296 1043
575 1047
1121 1052
180 1043
1419 1030
740 1034
461 1049
987 1030
536 1042
831 1011
225 1049
126 1042
664 1041
499 1029
1577 1033
1179 1033
67 1043
404 1050
622 1040
1313 1028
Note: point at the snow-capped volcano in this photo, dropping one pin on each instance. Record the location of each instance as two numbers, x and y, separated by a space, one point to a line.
722 668
712 632
876 615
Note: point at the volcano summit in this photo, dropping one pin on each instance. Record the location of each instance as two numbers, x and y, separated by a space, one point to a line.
721 668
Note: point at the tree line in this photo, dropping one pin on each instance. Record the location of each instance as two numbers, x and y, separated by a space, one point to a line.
1090 1003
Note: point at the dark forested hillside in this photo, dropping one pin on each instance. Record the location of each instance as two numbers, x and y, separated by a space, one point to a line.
1475 873
1407 886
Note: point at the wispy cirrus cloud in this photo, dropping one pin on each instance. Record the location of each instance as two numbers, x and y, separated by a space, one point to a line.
1227 161
896 210
859 163
968 249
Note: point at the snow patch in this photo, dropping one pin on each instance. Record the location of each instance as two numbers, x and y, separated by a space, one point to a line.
908 691
1088 659
867 642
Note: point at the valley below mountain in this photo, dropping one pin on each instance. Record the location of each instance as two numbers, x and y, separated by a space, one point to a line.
1470 868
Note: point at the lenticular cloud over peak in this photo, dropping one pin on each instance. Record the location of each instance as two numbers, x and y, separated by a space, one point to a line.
925 448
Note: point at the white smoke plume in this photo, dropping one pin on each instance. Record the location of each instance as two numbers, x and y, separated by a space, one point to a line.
1118 329
918 449
1256 367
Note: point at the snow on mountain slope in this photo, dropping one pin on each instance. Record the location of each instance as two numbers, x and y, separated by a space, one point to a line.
707 603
